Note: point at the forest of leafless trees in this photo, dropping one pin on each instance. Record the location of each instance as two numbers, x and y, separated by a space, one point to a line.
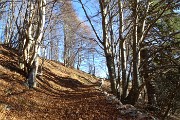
139 39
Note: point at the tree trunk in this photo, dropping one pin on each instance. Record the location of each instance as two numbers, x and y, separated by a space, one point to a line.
133 95
30 39
124 81
32 74
107 44
112 77
149 84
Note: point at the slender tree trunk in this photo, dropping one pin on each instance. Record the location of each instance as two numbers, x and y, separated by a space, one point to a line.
107 45
111 72
65 45
133 95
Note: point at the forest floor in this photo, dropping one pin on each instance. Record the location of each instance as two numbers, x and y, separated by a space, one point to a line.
62 93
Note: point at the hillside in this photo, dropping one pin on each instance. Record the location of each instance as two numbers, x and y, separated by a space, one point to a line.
62 93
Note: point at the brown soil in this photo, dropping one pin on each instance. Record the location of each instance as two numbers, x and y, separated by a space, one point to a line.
62 93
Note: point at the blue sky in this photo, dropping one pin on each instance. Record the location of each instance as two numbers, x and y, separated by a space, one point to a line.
91 8
100 65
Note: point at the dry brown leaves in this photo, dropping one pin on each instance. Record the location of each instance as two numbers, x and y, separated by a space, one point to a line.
62 94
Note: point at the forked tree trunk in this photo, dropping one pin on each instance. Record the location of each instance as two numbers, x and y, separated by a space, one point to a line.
31 38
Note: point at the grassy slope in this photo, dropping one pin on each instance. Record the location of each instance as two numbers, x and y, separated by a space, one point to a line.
63 93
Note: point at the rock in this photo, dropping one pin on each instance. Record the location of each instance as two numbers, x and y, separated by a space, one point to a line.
142 117
105 93
108 99
132 113
8 107
129 113
122 112
127 106
146 117
119 119
113 97
118 106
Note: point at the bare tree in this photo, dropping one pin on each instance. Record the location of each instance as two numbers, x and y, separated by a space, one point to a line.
30 37
133 20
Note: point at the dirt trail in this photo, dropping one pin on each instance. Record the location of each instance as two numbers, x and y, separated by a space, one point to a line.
62 94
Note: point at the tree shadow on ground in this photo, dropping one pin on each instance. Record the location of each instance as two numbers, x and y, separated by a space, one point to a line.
11 79
66 82
11 61
78 90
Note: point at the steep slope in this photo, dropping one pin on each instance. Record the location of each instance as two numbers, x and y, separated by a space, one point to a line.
62 93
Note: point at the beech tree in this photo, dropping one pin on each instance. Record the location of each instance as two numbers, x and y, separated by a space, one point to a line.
30 37
126 51
139 43
77 37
